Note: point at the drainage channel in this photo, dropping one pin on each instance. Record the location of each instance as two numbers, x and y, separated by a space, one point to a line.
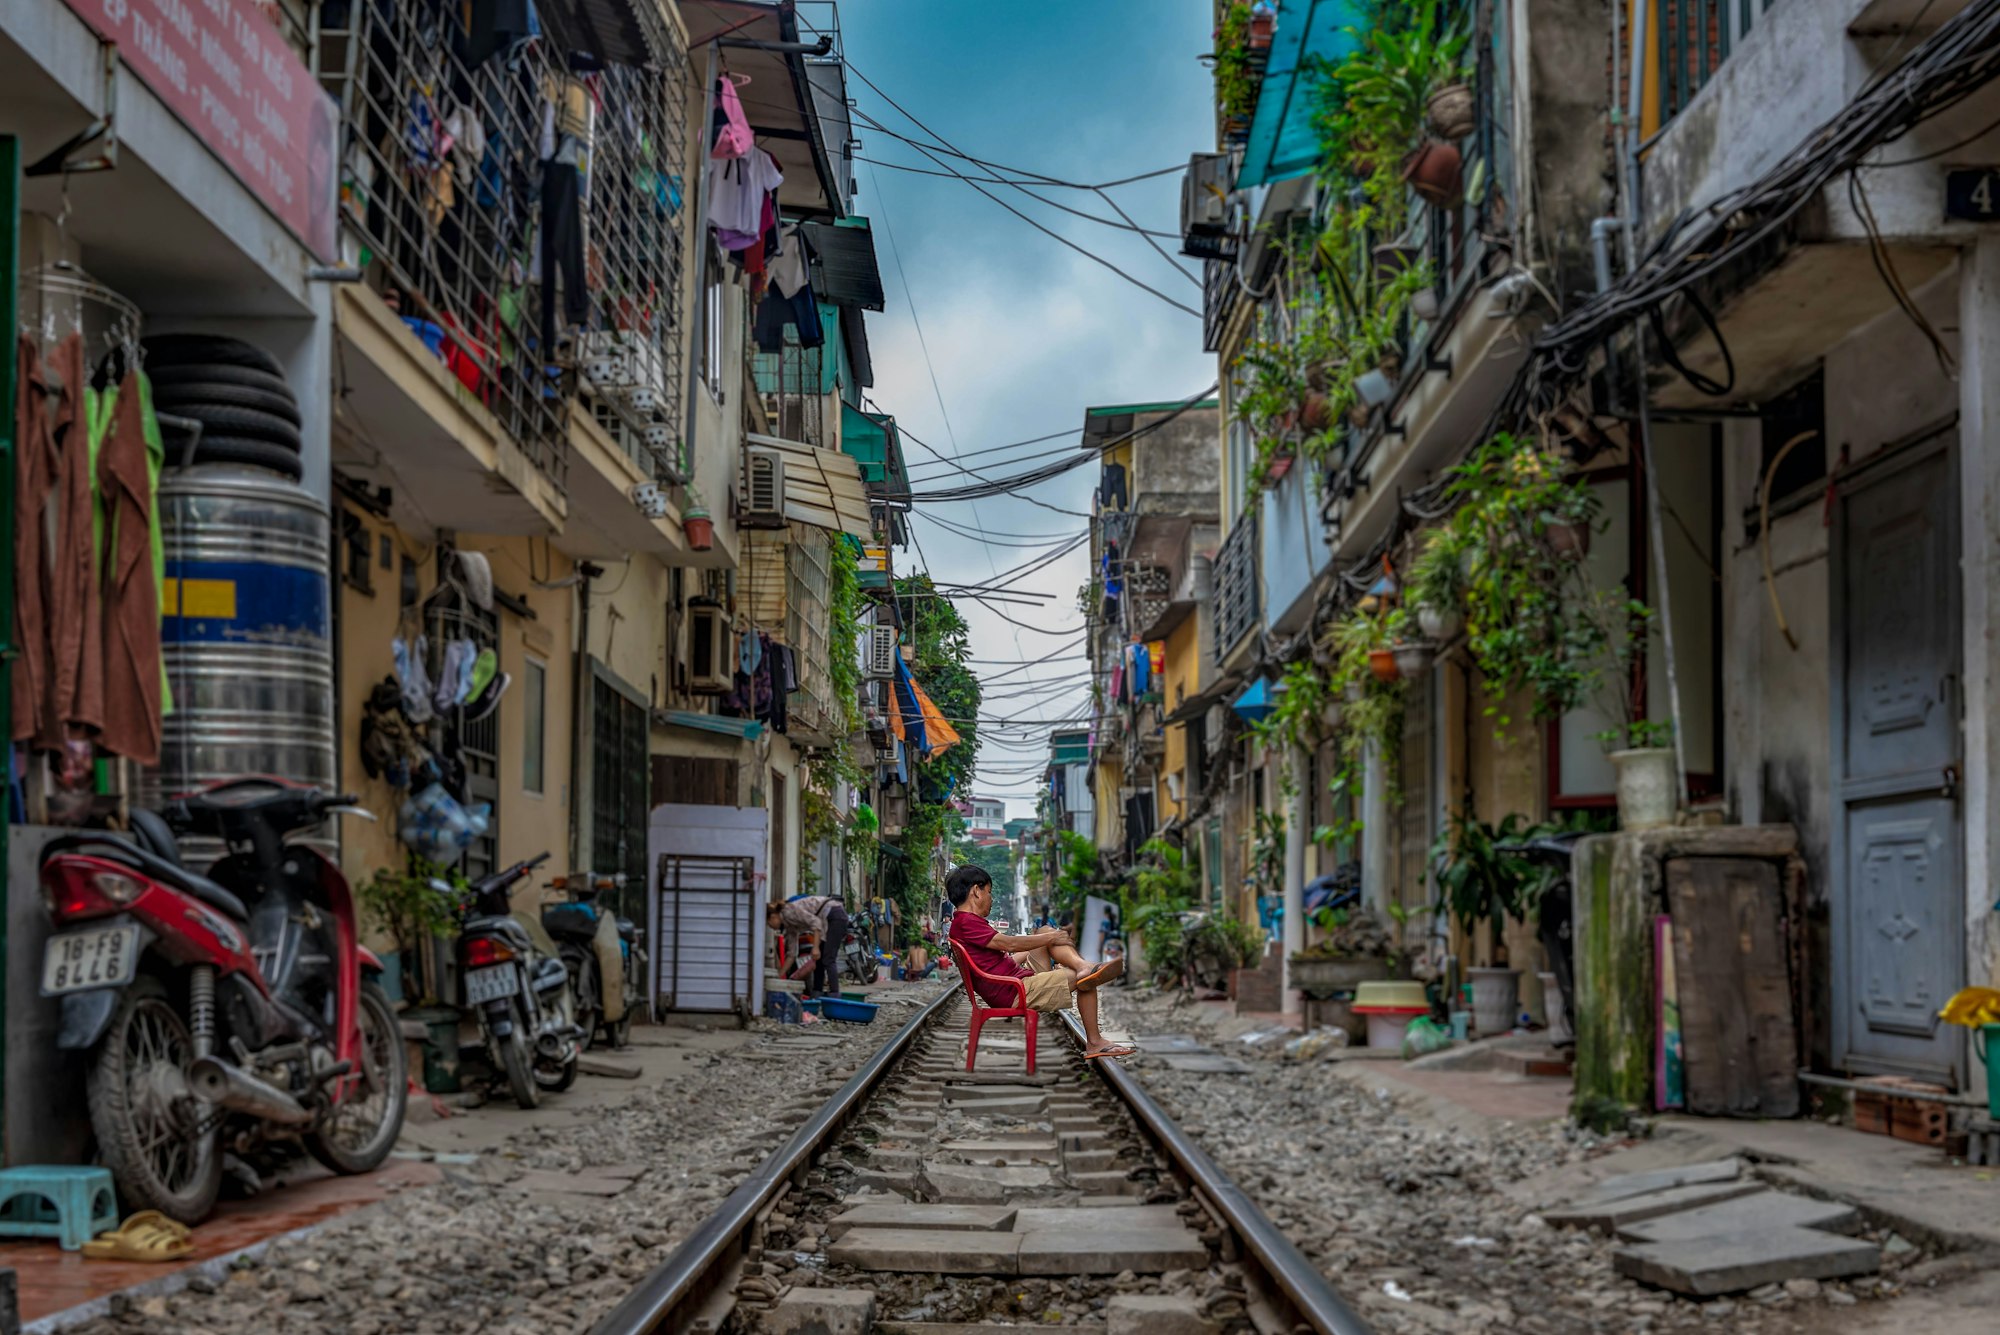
923 1199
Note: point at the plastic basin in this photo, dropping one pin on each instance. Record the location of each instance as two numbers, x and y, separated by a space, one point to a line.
853 1012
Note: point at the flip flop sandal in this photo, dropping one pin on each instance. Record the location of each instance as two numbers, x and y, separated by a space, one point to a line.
1111 1052
146 1236
1108 972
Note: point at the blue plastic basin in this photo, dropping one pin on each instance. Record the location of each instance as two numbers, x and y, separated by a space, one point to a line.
854 1012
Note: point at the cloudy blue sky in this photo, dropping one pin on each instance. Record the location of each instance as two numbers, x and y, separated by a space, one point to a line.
1022 333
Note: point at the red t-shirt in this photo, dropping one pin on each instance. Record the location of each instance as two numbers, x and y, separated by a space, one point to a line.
973 933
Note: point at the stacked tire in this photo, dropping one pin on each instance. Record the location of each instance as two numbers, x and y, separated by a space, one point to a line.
237 391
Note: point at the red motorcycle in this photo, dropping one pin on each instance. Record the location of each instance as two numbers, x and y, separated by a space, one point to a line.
222 1011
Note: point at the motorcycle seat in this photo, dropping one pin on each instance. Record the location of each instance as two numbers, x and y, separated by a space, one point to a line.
118 848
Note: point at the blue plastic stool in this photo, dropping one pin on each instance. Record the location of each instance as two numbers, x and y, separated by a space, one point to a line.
66 1201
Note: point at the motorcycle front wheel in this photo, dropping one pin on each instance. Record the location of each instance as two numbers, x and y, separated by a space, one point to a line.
517 1056
158 1139
362 1130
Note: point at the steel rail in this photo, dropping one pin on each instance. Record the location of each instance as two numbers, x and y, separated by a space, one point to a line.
1318 1304
666 1299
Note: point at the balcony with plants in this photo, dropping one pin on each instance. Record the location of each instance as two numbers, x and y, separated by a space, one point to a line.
1370 283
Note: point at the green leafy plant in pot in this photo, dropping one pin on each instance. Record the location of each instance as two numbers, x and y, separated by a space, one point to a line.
1480 882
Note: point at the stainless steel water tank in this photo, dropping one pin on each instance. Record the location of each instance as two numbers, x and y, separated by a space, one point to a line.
247 635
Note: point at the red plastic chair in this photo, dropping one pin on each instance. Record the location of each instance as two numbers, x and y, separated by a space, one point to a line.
981 1012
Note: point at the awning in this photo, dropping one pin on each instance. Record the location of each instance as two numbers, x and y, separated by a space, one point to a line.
607 31
1196 705
846 252
942 735
743 729
779 100
1283 142
1255 703
822 487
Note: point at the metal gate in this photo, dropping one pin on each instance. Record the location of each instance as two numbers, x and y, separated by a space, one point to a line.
619 779
707 922
1896 870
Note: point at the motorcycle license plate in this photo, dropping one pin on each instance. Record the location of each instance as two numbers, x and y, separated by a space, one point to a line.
491 984
93 958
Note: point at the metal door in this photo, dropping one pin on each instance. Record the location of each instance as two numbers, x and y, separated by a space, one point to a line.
1896 870
707 935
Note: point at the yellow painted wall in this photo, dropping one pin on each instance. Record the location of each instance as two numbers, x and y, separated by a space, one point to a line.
1108 794
528 823
1183 679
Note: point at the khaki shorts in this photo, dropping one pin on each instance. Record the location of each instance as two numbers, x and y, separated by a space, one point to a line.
1048 990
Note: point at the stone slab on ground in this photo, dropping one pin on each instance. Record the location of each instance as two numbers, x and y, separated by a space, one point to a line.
1010 1155
999 1107
1089 1244
969 1184
968 1093
1732 1262
816 1311
1610 1216
1762 1211
1154 1314
950 1218
604 1066
1108 1184
569 1184
1660 1179
936 1251
1124 1214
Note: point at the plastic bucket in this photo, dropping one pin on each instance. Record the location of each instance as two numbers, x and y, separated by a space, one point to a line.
1987 1035
1387 1023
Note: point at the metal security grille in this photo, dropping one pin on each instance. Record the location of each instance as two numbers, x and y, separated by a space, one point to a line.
442 193
619 780
1236 585
793 382
1693 38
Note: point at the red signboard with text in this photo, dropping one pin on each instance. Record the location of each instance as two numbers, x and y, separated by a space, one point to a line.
227 72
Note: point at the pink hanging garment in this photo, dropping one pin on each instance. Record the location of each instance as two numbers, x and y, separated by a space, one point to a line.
733 139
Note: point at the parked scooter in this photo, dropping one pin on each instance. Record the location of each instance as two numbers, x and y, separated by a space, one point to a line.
520 996
1556 912
857 958
222 1011
575 925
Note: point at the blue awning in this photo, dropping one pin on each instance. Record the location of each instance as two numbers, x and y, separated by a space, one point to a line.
1255 702
744 729
1282 142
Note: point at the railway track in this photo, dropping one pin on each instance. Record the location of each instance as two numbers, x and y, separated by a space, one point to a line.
922 1199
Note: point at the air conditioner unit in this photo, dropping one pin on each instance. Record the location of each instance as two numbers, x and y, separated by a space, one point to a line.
764 489
878 651
1205 206
711 650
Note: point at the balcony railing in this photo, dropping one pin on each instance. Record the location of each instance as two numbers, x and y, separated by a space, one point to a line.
1217 291
448 201
1236 590
1692 38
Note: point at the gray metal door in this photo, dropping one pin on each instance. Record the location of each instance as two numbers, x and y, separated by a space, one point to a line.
1897 879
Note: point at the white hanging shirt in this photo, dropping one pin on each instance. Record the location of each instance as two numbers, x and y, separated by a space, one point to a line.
736 190
787 269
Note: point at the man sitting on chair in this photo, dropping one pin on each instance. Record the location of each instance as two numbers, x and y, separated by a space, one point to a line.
1047 961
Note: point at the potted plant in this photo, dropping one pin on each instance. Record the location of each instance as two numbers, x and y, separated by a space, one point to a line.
410 909
696 523
1235 80
1356 948
1436 171
1648 774
1450 112
1263 25
1480 881
1437 580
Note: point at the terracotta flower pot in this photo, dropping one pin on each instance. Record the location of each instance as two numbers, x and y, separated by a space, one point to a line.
1316 413
1569 539
700 531
1437 173
1280 468
1451 112
1358 413
1382 662
1262 27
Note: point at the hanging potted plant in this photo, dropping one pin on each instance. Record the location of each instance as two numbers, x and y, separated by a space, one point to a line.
1450 112
1436 171
1480 881
696 523
1263 25
1437 583
1568 535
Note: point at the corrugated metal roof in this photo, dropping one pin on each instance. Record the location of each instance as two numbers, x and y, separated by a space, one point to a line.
822 487
847 263
854 327
607 29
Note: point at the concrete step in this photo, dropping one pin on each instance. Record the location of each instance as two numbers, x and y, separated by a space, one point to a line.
928 1251
945 1218
1613 1215
1722 1263
1763 1211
